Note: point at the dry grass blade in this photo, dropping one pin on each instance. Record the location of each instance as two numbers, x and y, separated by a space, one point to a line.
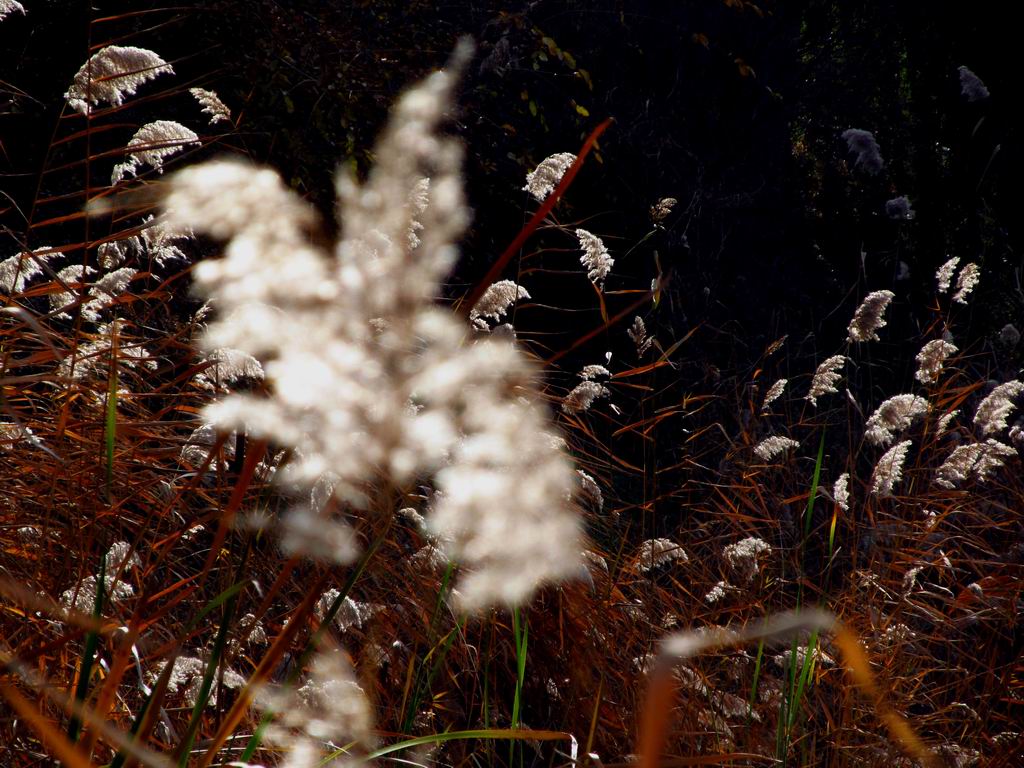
679 647
273 656
73 755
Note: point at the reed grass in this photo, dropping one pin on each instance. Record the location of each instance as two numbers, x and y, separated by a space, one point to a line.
915 593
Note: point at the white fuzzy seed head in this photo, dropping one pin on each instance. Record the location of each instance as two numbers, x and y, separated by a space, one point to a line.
894 415
870 316
371 381
968 278
658 552
932 358
772 447
841 492
774 393
595 258
151 145
495 302
582 397
542 181
212 105
113 73
944 275
825 378
889 469
997 406
743 558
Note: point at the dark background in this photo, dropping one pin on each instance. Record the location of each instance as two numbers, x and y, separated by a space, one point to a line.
733 108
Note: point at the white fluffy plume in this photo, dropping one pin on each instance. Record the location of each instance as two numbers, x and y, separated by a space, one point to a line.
375 384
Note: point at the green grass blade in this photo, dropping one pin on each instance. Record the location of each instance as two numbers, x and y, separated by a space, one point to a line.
159 687
207 686
805 671
814 485
421 686
91 643
757 674
520 633
218 601
440 738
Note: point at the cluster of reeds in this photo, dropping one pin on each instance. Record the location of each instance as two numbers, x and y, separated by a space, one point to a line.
325 517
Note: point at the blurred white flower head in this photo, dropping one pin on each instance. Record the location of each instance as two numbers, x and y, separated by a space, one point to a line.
348 344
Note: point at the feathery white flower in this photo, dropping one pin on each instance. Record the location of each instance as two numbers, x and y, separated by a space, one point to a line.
1009 335
774 393
889 469
95 353
968 278
349 614
310 533
657 552
113 73
159 237
583 396
899 208
341 384
894 415
115 253
429 558
869 316
495 302
198 444
71 276
638 334
743 557
595 257
1016 435
187 677
588 488
18 270
991 458
944 275
787 658
978 459
250 632
863 143
841 492
104 290
83 597
212 105
825 378
228 365
121 558
151 145
591 372
772 447
7 7
945 420
718 593
542 181
931 358
997 406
